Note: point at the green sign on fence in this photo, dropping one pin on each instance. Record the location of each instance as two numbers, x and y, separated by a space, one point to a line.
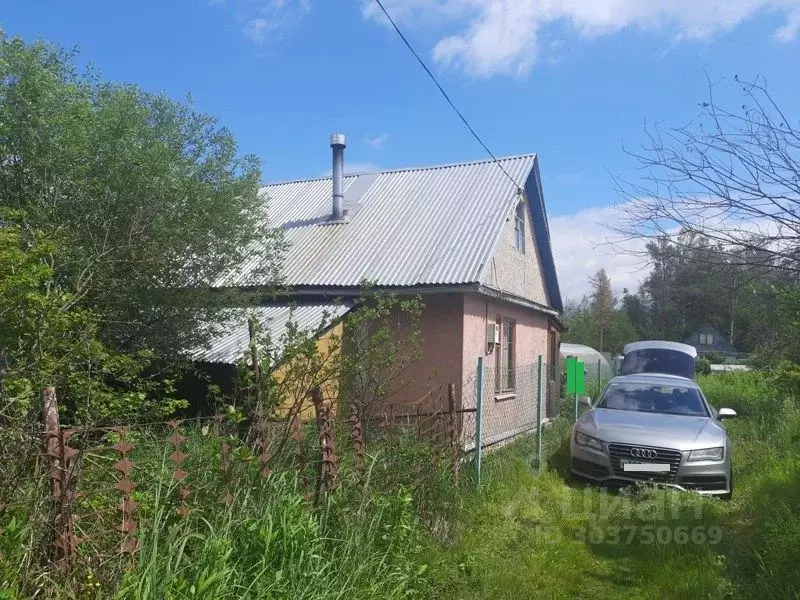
575 376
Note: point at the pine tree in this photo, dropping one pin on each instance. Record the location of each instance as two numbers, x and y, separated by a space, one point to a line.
602 303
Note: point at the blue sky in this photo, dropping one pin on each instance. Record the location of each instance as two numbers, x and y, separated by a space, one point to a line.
571 80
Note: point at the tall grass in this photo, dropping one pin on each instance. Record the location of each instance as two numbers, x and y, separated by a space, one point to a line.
528 536
520 535
364 541
271 545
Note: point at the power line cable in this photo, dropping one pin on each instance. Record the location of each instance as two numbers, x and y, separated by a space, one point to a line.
446 96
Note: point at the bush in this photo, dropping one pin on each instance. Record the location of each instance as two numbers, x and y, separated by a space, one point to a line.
786 379
753 395
715 358
702 366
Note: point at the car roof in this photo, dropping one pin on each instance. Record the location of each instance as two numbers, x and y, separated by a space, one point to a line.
655 379
660 345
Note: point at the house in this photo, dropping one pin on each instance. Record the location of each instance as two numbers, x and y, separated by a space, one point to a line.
707 340
471 239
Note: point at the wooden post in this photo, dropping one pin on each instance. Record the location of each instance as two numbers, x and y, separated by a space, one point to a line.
452 431
251 325
52 432
62 465
253 330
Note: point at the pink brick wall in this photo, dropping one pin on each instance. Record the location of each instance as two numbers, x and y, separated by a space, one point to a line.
441 326
453 329
502 416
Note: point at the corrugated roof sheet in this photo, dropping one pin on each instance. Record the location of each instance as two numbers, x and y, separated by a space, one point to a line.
233 342
427 226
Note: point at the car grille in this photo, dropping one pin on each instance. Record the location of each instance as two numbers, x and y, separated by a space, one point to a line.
618 452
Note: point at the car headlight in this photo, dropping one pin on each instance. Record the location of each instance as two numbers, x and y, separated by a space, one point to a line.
707 454
584 440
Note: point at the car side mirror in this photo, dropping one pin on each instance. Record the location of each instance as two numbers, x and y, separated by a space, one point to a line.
726 413
585 401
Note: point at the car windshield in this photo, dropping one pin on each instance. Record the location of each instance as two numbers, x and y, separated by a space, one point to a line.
654 398
658 360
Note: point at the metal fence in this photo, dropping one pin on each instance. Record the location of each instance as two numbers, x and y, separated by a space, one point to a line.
526 400
93 487
88 491
508 403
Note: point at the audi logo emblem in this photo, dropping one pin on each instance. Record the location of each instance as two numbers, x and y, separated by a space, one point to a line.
643 453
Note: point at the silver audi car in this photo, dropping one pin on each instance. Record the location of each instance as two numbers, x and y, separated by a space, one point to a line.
654 428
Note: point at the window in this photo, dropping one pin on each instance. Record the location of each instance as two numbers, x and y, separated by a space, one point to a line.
667 399
706 339
519 227
504 380
658 360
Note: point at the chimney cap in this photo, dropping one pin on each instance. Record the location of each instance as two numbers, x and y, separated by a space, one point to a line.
338 139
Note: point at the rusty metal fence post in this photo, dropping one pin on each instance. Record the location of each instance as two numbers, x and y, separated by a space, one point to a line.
125 485
357 434
328 467
177 457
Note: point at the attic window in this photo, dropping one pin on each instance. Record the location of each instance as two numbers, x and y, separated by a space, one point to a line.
519 227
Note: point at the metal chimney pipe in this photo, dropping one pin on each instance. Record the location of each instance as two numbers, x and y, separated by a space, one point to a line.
338 143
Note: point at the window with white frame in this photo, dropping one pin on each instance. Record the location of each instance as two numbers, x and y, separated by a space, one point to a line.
519 227
504 362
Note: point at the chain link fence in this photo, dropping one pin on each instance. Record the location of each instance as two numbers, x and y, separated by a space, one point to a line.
597 375
526 400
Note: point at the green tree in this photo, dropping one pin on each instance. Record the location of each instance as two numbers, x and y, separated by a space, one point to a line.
637 313
581 327
46 339
147 200
602 305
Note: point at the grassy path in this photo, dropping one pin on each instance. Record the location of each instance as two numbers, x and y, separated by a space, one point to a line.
528 536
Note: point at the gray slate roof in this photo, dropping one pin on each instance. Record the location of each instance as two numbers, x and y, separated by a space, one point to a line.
234 339
408 227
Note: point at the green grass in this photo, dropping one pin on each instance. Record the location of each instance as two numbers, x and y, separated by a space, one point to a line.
361 542
270 545
521 535
530 536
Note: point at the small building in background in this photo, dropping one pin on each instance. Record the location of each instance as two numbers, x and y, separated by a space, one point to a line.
707 340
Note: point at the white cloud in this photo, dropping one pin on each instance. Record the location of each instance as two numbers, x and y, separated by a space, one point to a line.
377 141
255 29
591 239
583 243
490 37
264 19
788 31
